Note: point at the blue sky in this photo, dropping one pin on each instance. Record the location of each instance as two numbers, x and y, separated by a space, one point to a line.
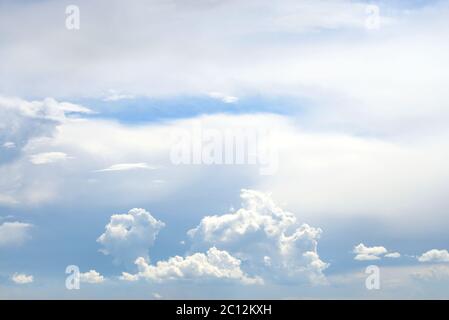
350 170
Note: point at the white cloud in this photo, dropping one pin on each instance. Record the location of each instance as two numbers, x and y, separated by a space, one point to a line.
91 276
262 231
9 145
434 255
65 107
215 264
349 172
129 277
364 253
21 278
47 109
393 255
127 166
180 47
48 157
223 97
130 235
342 69
22 121
14 233
366 257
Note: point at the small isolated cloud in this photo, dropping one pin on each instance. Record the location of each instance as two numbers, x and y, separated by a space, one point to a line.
215 264
129 236
364 253
434 255
393 255
91 276
127 167
21 278
223 97
9 145
48 157
14 233
261 231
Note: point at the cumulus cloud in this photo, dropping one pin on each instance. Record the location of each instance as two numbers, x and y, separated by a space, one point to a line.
48 157
21 278
364 253
269 240
215 264
129 236
127 167
91 276
434 255
14 233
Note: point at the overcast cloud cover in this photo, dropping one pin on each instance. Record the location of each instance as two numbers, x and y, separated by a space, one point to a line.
351 118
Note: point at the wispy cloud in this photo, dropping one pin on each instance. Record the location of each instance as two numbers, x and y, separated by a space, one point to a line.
127 167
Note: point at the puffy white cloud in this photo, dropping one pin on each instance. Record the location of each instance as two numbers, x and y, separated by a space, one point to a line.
434 255
91 276
215 264
129 236
349 172
21 278
266 238
127 166
48 157
364 253
129 277
14 233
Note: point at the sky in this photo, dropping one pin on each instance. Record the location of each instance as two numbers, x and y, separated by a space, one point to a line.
205 149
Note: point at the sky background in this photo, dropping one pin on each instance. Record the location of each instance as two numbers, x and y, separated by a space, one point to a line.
355 104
